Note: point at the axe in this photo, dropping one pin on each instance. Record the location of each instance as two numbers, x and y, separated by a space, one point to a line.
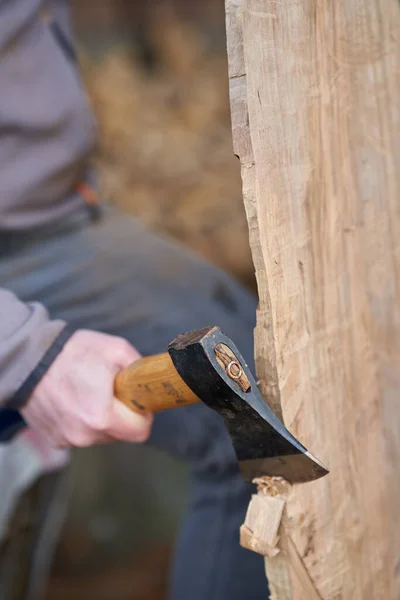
205 365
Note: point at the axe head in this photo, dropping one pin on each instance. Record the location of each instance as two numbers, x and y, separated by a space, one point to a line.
212 366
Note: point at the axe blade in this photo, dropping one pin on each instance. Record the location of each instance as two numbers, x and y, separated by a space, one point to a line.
262 443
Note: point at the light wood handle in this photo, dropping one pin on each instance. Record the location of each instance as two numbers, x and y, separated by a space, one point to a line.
152 384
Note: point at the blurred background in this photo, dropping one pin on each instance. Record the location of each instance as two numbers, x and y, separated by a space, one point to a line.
156 74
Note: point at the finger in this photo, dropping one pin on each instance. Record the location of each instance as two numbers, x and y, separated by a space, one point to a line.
98 439
103 439
128 425
124 354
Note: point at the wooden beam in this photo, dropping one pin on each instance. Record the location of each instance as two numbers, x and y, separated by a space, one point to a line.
315 98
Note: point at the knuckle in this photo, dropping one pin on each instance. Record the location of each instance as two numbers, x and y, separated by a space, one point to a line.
81 438
124 344
143 433
116 350
142 436
125 348
98 422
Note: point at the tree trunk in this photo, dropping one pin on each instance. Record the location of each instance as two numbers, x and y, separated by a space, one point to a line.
315 98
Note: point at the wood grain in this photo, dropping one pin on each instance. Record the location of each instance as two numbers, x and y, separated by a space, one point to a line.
152 384
315 99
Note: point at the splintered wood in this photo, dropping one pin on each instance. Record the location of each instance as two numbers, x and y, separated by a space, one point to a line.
265 532
264 515
315 102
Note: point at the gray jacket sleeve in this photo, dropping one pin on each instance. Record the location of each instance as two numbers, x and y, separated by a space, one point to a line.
29 342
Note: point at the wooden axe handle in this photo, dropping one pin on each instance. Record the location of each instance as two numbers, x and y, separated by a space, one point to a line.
152 384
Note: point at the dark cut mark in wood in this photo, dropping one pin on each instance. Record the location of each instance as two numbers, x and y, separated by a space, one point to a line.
227 360
138 405
146 386
173 392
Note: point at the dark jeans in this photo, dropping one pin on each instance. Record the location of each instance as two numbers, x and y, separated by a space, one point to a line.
115 276
27 549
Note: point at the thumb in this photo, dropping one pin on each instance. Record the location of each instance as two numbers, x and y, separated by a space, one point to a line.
127 425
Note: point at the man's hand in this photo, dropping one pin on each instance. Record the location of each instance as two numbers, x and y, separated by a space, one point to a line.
74 403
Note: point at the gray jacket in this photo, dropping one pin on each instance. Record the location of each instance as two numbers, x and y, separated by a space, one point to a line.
47 132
